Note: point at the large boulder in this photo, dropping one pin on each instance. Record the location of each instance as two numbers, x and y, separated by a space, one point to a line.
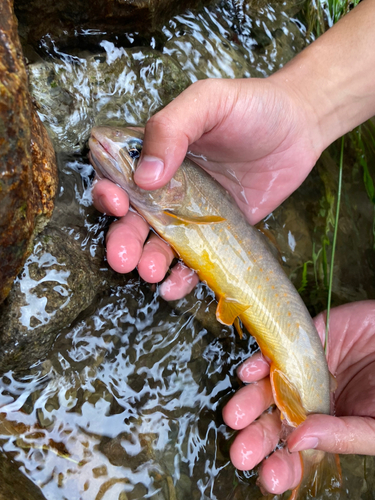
28 172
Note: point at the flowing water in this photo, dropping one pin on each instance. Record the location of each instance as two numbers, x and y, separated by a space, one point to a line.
128 403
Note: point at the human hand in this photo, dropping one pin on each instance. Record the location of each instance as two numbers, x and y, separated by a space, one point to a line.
254 136
351 359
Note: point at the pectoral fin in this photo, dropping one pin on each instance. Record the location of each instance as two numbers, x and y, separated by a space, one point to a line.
332 382
270 240
287 397
187 219
228 310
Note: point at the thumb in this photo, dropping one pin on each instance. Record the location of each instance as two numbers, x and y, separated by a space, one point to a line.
345 435
169 133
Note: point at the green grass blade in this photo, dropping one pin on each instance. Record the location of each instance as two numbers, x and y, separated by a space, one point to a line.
334 244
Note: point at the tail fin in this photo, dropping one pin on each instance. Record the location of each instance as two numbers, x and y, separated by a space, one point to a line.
321 473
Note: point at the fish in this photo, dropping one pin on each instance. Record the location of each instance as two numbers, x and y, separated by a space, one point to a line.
203 224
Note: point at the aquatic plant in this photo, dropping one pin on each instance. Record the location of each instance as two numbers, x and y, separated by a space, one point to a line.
322 14
318 16
363 141
334 244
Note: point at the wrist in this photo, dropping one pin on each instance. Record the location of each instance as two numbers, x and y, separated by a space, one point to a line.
334 78
317 103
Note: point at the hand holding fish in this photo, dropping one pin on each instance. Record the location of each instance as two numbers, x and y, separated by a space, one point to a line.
258 138
352 359
260 161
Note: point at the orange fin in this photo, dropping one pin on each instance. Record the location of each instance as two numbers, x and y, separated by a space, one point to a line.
228 310
321 475
270 240
187 219
237 326
287 397
332 382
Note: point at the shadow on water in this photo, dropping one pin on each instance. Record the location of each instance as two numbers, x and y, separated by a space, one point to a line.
128 403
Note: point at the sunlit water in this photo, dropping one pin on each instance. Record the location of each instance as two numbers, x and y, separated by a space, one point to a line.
128 404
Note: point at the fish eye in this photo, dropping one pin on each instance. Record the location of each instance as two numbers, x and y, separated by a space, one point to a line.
134 148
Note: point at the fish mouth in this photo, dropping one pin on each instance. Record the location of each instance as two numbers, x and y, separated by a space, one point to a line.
103 158
100 150
95 141
96 144
106 158
95 163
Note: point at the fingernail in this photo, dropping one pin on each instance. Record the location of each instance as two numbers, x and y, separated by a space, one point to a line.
307 443
149 170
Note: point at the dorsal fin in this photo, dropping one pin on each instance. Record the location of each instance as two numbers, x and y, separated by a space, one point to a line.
332 382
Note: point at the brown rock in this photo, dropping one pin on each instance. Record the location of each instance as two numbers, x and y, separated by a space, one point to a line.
44 171
28 173
13 484
60 23
58 281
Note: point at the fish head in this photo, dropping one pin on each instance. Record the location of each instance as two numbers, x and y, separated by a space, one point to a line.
114 153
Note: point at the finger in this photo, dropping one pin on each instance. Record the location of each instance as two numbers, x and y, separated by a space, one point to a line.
125 239
169 132
109 198
335 435
256 441
179 283
155 260
254 368
282 471
349 325
247 404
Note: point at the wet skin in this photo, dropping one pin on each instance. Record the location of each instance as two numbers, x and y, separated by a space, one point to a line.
260 175
351 358
260 138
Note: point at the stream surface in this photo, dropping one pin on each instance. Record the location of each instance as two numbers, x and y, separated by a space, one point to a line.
128 403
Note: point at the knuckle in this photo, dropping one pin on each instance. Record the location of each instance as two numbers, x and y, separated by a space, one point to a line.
162 123
206 87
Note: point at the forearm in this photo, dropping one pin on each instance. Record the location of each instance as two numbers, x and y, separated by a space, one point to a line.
335 76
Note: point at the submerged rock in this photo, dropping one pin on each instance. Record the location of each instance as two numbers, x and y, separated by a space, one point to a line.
118 86
28 174
59 280
63 22
128 85
14 485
